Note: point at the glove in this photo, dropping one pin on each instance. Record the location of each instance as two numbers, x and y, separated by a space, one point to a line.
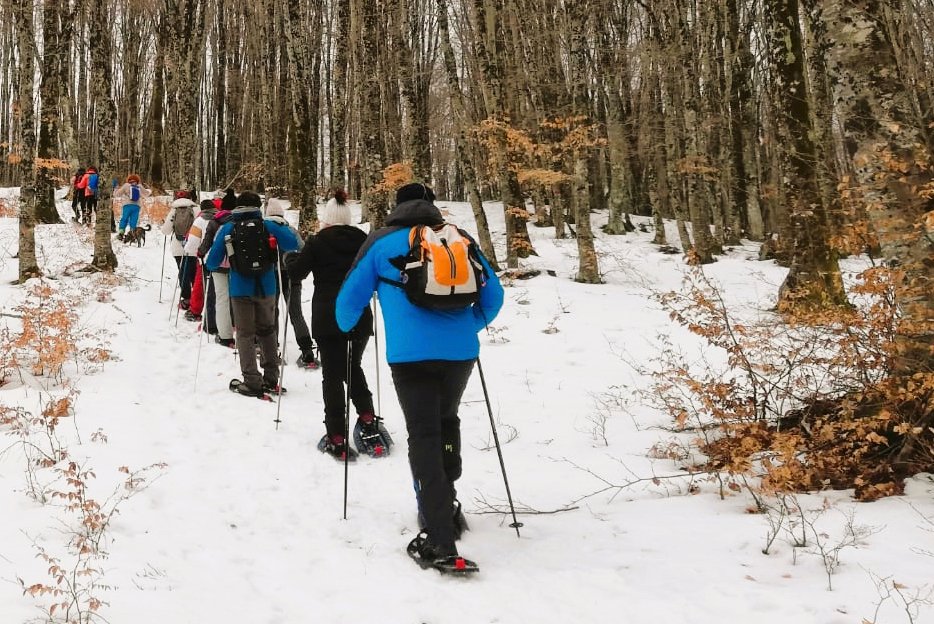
289 259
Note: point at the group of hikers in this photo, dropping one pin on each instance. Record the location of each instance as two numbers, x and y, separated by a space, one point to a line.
436 292
84 192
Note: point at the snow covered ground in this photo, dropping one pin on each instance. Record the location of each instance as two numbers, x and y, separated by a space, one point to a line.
244 525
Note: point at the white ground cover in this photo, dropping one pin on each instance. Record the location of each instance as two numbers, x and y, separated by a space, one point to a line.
244 524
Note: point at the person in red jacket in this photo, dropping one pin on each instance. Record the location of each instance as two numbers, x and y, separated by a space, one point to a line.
90 181
77 194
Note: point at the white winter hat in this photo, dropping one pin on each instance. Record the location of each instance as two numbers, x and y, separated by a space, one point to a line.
335 214
275 208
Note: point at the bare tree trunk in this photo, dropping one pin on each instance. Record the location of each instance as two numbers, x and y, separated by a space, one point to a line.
737 63
814 277
221 95
339 89
300 46
50 85
614 72
588 266
185 21
891 166
101 45
461 122
153 151
489 48
661 207
415 51
369 106
25 45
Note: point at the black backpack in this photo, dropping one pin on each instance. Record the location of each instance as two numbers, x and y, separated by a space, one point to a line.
250 248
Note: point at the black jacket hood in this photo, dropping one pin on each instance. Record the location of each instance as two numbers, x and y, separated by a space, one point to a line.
242 213
415 212
342 239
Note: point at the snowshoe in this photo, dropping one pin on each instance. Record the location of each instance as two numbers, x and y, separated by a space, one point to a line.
372 438
276 389
426 555
236 385
311 364
225 342
191 316
336 448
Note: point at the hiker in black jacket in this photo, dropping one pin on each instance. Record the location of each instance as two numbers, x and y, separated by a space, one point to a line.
328 255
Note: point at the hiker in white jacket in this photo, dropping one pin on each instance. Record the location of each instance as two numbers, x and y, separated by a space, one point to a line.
176 226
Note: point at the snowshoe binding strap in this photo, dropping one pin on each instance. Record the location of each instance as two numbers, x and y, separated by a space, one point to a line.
426 556
237 386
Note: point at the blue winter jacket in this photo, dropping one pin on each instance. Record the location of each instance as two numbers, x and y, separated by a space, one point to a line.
247 285
413 333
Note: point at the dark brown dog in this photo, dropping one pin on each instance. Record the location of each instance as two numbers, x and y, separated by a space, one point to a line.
136 235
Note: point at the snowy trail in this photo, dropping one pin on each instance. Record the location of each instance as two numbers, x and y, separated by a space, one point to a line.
245 524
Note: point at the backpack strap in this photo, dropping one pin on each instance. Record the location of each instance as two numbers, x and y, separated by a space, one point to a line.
395 283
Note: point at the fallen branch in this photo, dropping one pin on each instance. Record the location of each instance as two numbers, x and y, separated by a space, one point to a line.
610 486
485 507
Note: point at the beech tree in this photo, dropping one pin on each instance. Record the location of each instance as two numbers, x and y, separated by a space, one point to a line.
25 45
814 276
888 147
731 118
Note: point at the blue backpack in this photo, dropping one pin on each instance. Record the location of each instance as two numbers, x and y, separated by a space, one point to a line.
92 184
134 192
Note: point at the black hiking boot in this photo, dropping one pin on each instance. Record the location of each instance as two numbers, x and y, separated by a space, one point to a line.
308 359
336 447
457 516
273 388
236 385
447 561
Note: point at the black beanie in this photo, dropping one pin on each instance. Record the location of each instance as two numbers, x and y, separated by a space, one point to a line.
250 199
414 191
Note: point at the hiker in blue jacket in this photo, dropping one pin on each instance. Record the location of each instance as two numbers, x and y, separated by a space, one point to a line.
431 354
253 297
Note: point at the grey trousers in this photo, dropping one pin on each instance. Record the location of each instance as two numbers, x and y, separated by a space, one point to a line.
255 318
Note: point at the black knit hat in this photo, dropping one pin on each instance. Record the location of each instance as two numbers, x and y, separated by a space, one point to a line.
248 198
229 202
414 191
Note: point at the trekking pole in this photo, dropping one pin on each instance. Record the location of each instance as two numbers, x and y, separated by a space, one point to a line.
499 451
347 424
379 403
165 240
285 333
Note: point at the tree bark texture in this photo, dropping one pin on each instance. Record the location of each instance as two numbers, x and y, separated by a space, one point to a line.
814 277
891 164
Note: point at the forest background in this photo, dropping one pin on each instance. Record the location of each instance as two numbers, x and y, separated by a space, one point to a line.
806 125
